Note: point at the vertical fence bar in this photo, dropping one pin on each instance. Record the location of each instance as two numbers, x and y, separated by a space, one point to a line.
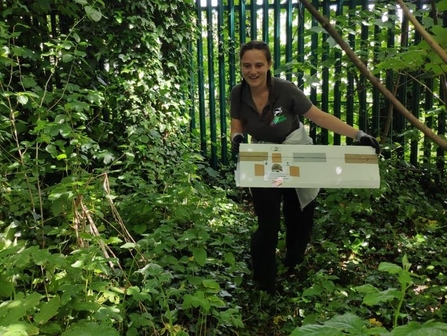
402 91
363 108
222 91
351 85
325 74
253 20
416 98
265 21
201 81
390 82
289 36
313 72
242 25
277 33
300 42
212 87
337 71
232 49
440 153
376 96
192 109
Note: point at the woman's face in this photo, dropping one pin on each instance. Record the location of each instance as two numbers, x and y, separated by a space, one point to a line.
254 67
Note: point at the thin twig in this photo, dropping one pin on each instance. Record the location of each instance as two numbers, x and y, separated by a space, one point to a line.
373 79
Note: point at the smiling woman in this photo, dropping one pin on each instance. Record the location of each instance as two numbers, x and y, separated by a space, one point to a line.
268 109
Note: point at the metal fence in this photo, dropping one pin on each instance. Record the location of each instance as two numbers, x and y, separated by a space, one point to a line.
304 53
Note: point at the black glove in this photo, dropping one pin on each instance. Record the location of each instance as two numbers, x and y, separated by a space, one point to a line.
236 140
367 140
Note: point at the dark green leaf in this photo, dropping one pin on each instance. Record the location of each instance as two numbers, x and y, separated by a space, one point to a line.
416 329
93 13
48 310
389 268
90 329
200 255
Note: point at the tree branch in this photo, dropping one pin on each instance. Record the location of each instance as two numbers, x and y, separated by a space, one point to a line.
430 40
373 79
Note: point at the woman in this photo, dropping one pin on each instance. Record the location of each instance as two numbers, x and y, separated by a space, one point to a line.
268 109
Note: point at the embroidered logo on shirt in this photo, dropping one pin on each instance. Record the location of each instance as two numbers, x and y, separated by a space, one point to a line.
278 116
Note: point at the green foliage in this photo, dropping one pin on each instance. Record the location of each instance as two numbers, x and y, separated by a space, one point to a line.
112 223
351 324
389 46
85 106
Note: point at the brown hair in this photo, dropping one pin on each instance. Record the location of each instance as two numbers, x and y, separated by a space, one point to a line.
260 45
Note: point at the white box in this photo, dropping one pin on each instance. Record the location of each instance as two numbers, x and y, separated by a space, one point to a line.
307 166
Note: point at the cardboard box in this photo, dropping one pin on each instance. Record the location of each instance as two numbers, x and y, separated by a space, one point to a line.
312 166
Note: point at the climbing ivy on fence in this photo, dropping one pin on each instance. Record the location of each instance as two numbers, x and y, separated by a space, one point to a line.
92 106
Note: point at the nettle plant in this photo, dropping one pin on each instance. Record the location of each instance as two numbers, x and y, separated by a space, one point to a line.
45 206
351 324
72 133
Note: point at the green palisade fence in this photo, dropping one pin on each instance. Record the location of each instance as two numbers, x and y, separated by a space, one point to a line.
304 53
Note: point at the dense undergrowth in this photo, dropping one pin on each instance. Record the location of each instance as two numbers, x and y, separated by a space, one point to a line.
174 261
112 224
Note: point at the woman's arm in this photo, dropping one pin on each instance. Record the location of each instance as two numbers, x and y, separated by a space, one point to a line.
237 134
330 122
334 124
236 127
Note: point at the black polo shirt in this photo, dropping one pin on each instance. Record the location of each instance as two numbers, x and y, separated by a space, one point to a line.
288 101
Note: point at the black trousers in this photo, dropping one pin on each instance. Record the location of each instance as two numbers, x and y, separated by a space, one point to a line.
298 224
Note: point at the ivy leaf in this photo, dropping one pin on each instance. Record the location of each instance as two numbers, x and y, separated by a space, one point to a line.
93 13
332 43
82 2
315 290
45 5
65 130
199 255
128 246
144 138
28 82
188 301
22 99
52 150
229 258
216 301
196 300
211 284
76 37
67 58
